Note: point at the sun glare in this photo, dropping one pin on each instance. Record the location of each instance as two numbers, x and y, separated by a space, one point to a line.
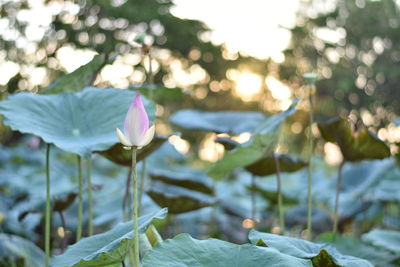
248 85
279 91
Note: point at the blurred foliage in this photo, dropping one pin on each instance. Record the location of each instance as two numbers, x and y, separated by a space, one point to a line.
353 45
109 27
355 71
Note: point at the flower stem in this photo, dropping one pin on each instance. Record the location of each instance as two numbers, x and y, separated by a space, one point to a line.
253 199
142 181
80 199
279 189
126 195
311 146
48 208
89 192
135 210
338 187
64 225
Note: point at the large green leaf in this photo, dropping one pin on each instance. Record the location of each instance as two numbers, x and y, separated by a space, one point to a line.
386 239
228 143
354 247
266 165
321 255
270 193
106 248
80 122
297 216
79 78
159 94
16 248
184 177
262 142
355 145
178 199
121 156
184 251
234 122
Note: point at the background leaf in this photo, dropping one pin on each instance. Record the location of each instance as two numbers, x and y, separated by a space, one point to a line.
79 123
184 251
121 156
386 239
234 122
354 247
79 78
355 145
261 143
14 247
106 248
321 256
266 165
178 199
184 177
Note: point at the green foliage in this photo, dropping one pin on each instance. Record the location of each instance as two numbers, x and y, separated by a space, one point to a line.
262 142
74 122
159 94
266 165
355 145
235 122
355 69
178 199
320 255
385 239
78 79
354 247
184 251
121 156
106 248
184 177
15 248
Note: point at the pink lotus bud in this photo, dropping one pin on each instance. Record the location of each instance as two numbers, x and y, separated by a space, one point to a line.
136 128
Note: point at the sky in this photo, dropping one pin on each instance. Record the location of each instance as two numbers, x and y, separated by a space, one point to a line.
253 27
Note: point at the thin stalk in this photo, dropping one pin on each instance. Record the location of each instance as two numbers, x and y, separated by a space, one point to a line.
142 181
338 187
80 199
253 199
150 74
280 201
48 208
126 195
89 192
311 145
64 225
135 210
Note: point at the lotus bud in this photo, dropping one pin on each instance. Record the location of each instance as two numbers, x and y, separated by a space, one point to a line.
310 78
137 132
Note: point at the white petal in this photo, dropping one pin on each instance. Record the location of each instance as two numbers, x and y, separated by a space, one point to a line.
148 136
123 138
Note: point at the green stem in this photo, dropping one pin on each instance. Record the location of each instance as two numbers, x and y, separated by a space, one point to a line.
64 226
48 208
135 210
253 199
89 192
280 201
338 187
311 146
142 181
151 75
126 195
80 200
